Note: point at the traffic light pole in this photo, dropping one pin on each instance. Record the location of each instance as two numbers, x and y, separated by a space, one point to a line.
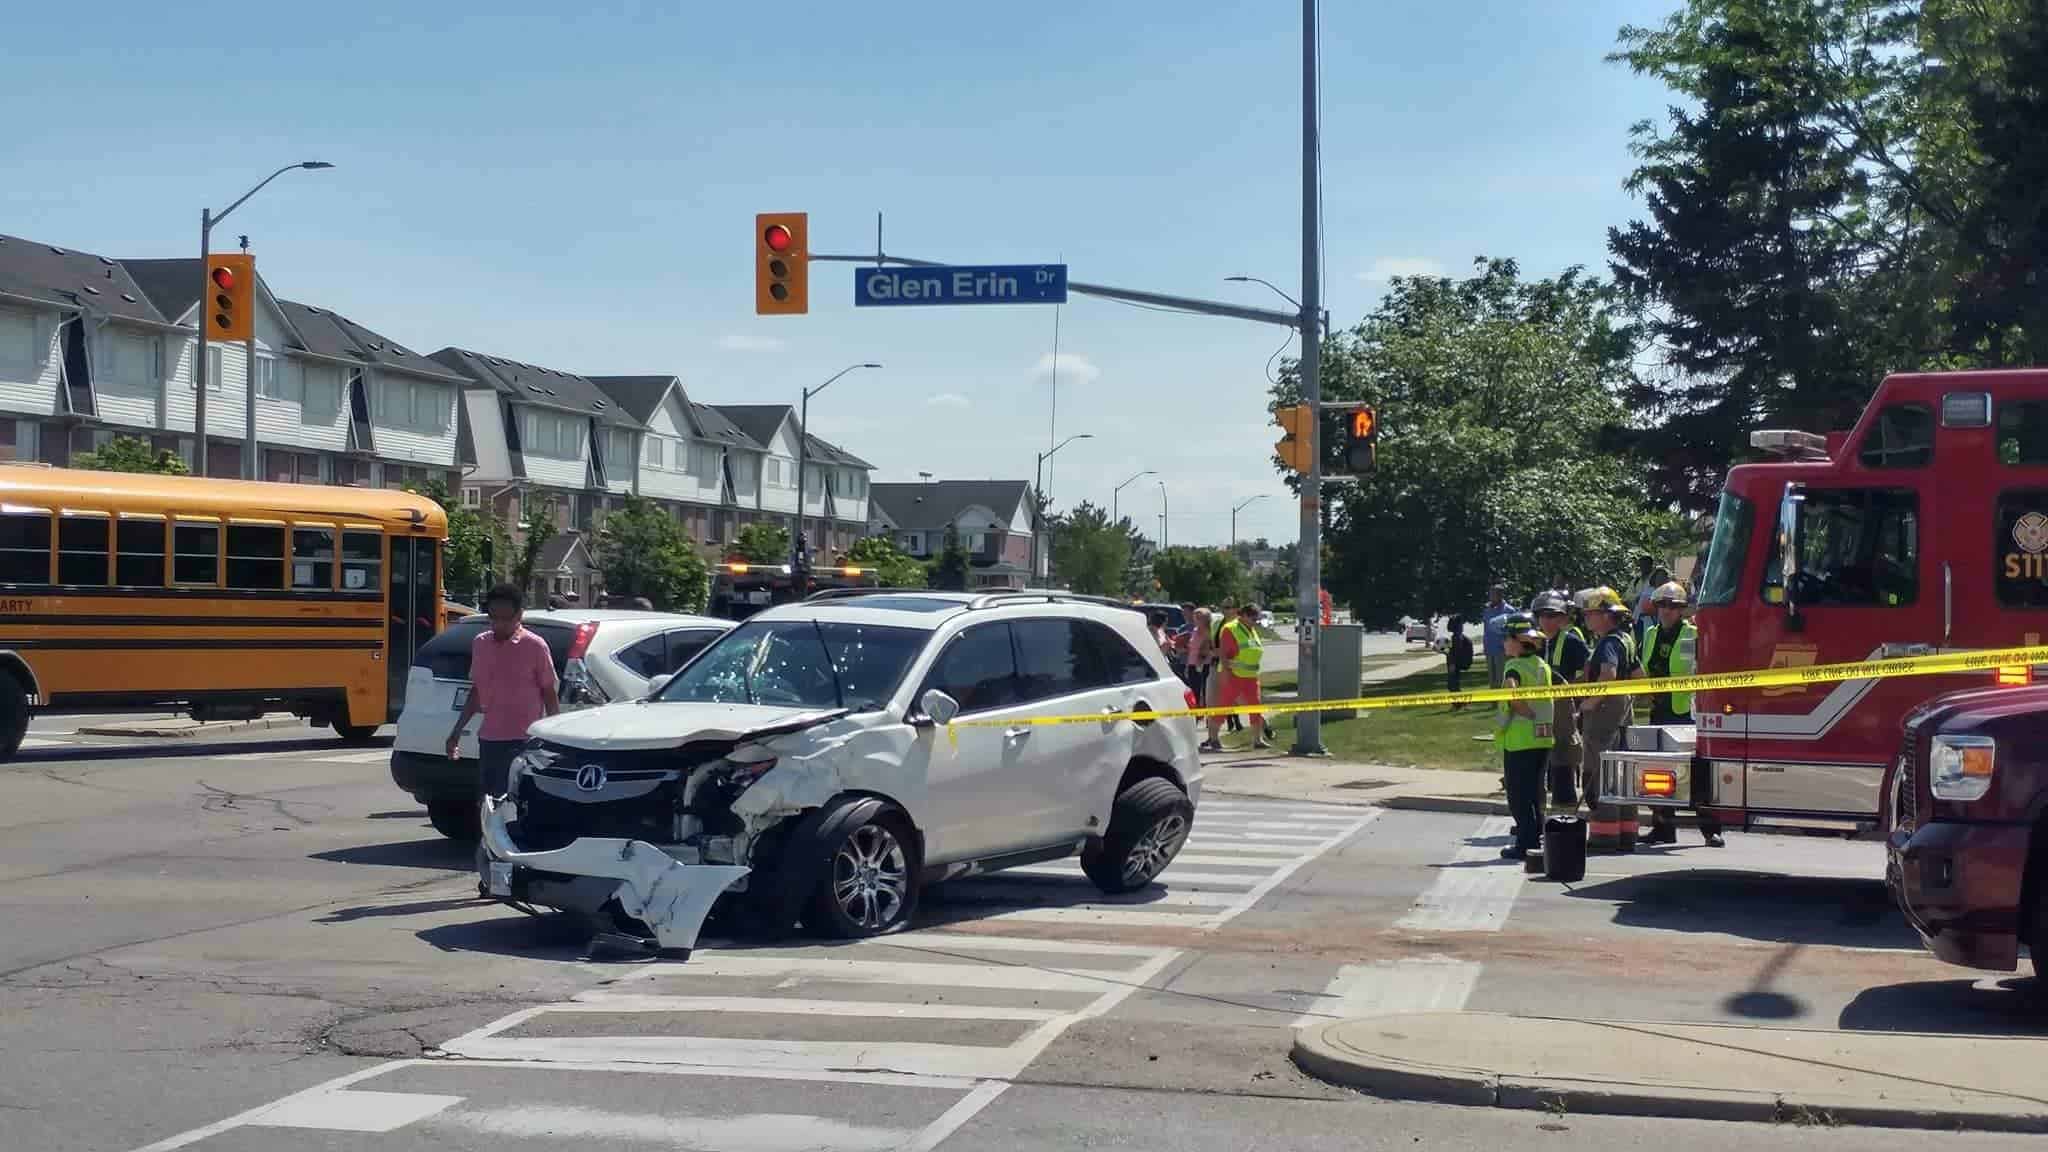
1308 580
199 358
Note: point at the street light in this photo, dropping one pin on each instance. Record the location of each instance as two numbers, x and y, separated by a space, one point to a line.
1038 499
207 219
1113 518
1233 517
798 551
1324 313
1162 516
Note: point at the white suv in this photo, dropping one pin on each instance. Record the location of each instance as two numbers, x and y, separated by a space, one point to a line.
809 766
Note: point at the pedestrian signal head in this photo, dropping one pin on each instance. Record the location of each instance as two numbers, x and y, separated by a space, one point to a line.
1361 439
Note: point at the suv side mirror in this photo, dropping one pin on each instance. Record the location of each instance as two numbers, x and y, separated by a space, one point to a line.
655 685
939 706
1790 505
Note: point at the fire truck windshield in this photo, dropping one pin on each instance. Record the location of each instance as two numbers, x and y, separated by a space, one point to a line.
1727 551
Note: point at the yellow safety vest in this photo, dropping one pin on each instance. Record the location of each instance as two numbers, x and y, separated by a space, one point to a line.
1250 650
1680 660
1518 732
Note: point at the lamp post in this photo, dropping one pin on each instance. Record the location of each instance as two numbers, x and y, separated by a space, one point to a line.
1114 493
799 554
1162 517
1233 518
207 219
1038 499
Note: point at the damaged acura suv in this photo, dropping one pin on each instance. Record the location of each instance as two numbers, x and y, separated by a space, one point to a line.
807 767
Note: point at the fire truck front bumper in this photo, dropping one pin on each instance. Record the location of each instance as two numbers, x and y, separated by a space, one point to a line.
1960 887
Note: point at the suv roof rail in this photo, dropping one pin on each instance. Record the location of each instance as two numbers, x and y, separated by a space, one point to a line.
848 593
997 596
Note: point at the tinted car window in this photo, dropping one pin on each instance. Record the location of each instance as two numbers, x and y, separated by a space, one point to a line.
686 643
647 658
1120 663
978 669
447 654
1054 658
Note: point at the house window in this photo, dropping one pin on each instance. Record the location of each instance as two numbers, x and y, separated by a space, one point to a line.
413 406
704 464
621 444
269 381
17 439
213 369
131 361
319 393
472 497
653 455
551 435
975 540
352 473
18 350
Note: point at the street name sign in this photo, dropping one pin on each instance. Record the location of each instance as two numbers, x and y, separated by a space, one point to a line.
960 284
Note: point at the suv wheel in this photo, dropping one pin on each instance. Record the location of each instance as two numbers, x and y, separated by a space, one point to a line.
866 887
1147 827
456 816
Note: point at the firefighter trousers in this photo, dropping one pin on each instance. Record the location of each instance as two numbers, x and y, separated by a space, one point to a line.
1565 758
1610 828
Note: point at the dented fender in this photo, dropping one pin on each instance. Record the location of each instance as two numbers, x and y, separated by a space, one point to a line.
672 898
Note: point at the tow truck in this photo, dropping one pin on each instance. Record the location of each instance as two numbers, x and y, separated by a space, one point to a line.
739 588
1922 529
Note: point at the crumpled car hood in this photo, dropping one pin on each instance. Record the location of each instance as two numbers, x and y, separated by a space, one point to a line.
641 724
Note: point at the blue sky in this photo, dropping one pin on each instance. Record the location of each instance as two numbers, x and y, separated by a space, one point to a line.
576 188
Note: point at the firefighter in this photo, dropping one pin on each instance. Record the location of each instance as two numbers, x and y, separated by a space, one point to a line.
1524 734
1602 718
1670 645
1566 651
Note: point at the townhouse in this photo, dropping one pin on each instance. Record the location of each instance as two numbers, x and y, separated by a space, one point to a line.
992 518
93 347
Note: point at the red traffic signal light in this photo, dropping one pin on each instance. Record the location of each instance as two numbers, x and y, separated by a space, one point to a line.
782 263
231 280
224 279
776 237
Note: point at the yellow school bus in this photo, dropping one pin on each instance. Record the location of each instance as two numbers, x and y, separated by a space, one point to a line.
221 598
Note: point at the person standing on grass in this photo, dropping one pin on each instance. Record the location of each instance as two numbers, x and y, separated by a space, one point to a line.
511 681
1457 656
1525 735
1497 611
1241 653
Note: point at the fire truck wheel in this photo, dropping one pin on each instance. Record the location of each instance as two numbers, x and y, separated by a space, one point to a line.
2036 910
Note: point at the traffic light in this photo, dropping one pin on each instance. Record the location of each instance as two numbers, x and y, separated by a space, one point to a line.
782 264
1361 433
1297 448
230 304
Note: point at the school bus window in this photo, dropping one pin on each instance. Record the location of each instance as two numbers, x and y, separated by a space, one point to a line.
82 548
139 552
255 556
195 555
362 558
24 547
312 557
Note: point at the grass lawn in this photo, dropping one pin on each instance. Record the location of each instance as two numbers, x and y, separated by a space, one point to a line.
1287 682
1418 737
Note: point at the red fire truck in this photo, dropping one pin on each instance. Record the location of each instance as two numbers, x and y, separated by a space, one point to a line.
1924 528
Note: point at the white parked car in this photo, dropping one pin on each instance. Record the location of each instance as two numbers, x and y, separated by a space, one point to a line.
803 767
601 655
1419 632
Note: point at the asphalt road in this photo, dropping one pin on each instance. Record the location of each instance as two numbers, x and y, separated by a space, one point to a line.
257 943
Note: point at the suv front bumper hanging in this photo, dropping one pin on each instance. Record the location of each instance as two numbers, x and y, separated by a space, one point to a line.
669 896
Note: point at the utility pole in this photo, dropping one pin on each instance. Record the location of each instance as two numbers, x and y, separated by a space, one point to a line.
252 466
1233 517
1308 726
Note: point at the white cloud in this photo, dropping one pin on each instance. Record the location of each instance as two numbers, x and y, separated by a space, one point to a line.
1387 267
947 400
1074 368
748 342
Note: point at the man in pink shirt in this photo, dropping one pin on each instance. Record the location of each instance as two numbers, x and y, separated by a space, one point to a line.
511 681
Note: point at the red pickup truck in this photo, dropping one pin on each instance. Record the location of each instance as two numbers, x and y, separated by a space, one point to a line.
1966 810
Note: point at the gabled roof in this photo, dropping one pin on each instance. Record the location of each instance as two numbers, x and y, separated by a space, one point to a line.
758 421
172 285
556 552
930 507
337 330
640 396
714 426
73 279
819 448
541 387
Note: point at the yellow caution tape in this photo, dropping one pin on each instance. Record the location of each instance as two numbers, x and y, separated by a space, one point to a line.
1939 664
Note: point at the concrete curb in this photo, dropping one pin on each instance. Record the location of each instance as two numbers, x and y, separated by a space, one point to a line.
1327 1057
173 730
1462 805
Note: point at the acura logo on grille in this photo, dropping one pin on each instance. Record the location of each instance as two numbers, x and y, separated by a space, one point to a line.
590 777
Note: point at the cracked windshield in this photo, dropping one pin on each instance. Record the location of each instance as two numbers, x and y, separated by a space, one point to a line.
959 577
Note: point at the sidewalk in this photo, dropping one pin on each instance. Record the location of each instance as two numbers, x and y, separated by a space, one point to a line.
1696 1071
1273 776
184 726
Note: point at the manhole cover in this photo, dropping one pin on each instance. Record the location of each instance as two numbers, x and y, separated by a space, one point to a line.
1363 784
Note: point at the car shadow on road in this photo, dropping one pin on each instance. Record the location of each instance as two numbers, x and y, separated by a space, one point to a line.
430 852
1772 907
1990 1006
558 936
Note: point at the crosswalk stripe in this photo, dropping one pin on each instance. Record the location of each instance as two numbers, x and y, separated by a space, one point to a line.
757 1132
1249 860
789 1006
1041 979
986 891
936 941
1098 915
909 1057
1331 815
1416 984
1228 836
1172 875
1475 892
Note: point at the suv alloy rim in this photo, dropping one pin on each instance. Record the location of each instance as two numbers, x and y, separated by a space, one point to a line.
869 878
1155 849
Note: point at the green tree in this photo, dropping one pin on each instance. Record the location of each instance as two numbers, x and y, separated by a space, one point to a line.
472 532
1201 575
1089 552
892 568
949 571
128 454
535 530
643 551
762 543
1498 456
